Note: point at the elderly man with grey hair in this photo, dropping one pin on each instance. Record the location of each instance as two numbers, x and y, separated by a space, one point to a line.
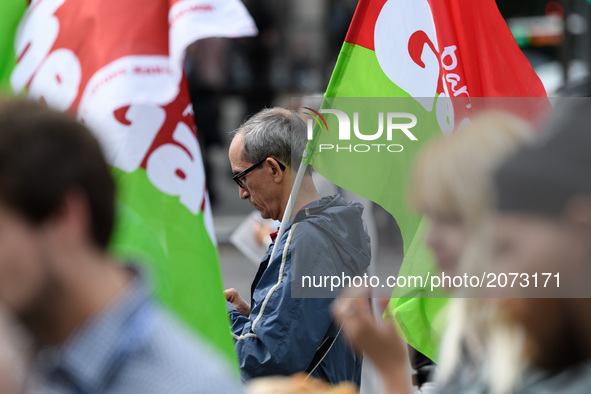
286 329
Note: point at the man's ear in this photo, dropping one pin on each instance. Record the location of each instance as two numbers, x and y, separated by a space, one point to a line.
276 171
577 212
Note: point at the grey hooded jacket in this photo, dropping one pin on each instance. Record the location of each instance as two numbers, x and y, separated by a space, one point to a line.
289 323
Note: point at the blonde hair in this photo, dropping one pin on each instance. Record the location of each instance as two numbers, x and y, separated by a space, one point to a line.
453 177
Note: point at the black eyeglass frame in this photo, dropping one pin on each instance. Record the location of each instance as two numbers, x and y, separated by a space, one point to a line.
236 178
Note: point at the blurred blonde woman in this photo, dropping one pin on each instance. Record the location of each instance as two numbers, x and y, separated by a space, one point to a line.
452 186
453 181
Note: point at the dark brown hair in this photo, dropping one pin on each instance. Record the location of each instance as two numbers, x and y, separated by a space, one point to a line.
44 154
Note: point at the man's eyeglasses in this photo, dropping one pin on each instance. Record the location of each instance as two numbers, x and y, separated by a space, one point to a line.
238 177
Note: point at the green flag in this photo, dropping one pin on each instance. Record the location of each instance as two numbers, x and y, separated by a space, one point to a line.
11 12
408 71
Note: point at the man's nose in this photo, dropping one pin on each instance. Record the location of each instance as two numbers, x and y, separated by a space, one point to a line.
243 193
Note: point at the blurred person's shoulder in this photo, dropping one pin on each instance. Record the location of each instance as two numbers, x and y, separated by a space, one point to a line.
174 359
133 345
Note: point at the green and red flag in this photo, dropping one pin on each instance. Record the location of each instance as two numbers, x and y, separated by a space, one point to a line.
11 12
118 66
422 67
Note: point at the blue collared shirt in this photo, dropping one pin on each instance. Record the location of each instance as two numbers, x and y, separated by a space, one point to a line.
132 346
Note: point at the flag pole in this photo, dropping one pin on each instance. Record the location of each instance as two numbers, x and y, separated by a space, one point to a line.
291 202
306 160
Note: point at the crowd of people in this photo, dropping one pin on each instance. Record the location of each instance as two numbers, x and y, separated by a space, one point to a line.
499 196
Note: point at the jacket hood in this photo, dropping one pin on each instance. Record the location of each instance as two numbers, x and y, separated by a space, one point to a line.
341 222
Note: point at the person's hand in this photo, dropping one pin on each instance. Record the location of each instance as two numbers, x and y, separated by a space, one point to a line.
261 232
376 339
239 303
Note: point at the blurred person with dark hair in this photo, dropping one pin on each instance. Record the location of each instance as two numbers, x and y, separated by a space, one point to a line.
281 332
544 225
95 324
